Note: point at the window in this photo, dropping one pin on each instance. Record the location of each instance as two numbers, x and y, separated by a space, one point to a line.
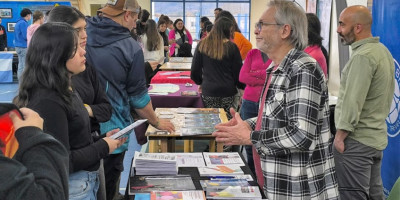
190 11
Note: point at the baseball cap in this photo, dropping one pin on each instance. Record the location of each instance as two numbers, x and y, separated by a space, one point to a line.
116 7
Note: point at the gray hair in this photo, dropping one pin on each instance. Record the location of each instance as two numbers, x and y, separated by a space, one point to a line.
288 12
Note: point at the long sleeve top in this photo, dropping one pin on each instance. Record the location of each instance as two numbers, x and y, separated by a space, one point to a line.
366 93
93 94
3 37
295 143
156 55
20 33
253 75
38 170
243 44
316 52
70 125
30 31
218 78
172 35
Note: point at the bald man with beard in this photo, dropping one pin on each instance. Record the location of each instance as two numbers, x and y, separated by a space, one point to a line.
365 97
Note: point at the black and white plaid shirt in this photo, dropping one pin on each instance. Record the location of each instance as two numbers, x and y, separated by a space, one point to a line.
295 143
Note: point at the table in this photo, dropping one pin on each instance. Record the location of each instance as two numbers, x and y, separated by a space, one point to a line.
175 100
181 59
167 142
194 173
181 66
8 91
172 77
6 70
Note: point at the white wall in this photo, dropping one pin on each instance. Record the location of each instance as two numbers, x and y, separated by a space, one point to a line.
145 4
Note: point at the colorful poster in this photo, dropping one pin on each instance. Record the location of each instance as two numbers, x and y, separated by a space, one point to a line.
387 27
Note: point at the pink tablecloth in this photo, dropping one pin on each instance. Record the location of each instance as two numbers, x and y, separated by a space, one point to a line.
172 77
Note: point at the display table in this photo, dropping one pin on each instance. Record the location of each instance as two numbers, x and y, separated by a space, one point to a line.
181 59
175 100
6 71
180 66
172 77
166 142
194 174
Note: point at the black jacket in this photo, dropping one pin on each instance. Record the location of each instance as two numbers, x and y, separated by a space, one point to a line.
39 169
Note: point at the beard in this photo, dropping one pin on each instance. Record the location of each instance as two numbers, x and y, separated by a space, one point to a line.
347 39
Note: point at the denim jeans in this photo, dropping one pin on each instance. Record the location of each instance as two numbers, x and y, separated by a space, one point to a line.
248 110
83 185
21 52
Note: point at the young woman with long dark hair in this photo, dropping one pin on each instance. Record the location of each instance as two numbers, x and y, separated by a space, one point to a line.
54 56
183 41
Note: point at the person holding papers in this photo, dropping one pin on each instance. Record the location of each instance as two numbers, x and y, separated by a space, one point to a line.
54 56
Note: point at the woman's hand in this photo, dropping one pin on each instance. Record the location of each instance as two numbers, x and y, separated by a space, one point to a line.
31 118
114 144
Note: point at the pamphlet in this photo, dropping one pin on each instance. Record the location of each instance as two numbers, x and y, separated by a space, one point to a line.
220 170
233 192
226 158
178 195
127 129
146 184
189 93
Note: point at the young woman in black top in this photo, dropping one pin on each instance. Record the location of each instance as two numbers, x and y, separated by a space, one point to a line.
86 83
216 66
54 56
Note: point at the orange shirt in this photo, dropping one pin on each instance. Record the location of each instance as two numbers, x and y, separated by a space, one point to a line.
243 44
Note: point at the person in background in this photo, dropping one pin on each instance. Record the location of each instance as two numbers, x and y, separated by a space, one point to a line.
216 12
253 76
241 42
182 38
20 41
141 23
202 26
38 19
39 169
119 62
206 24
162 29
153 49
315 42
53 57
86 83
208 28
216 66
3 38
365 98
291 133
170 26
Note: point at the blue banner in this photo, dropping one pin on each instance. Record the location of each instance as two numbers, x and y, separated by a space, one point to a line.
386 25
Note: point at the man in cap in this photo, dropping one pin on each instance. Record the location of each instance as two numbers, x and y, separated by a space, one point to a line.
119 61
291 133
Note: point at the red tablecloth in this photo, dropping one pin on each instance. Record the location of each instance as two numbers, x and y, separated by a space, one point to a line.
172 77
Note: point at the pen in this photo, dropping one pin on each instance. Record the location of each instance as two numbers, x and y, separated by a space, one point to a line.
221 177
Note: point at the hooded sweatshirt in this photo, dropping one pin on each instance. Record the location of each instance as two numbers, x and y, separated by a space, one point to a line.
119 62
20 33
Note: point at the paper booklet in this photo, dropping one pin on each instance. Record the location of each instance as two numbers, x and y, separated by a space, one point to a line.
178 195
233 192
154 164
226 158
223 183
146 184
224 170
127 129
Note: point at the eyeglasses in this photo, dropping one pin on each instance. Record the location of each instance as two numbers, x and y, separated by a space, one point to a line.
261 23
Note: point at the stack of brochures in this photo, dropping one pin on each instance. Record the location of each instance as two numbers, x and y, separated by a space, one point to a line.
178 195
155 164
228 163
146 184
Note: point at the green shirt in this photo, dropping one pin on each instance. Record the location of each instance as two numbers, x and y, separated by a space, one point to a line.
366 93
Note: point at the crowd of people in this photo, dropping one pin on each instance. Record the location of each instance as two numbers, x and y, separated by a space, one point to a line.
80 79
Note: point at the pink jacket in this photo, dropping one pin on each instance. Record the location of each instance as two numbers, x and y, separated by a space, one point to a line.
253 74
171 36
316 52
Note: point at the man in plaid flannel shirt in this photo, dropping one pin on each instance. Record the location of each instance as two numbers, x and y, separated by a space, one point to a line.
294 141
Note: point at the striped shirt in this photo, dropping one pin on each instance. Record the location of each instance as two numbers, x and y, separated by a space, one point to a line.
295 143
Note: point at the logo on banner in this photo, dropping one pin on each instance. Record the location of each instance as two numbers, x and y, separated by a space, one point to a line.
393 120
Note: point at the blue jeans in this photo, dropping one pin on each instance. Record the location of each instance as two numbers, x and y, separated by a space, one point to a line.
83 185
21 52
248 110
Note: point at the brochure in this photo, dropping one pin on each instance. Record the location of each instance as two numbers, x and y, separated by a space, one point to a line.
178 195
226 158
220 170
127 129
233 192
